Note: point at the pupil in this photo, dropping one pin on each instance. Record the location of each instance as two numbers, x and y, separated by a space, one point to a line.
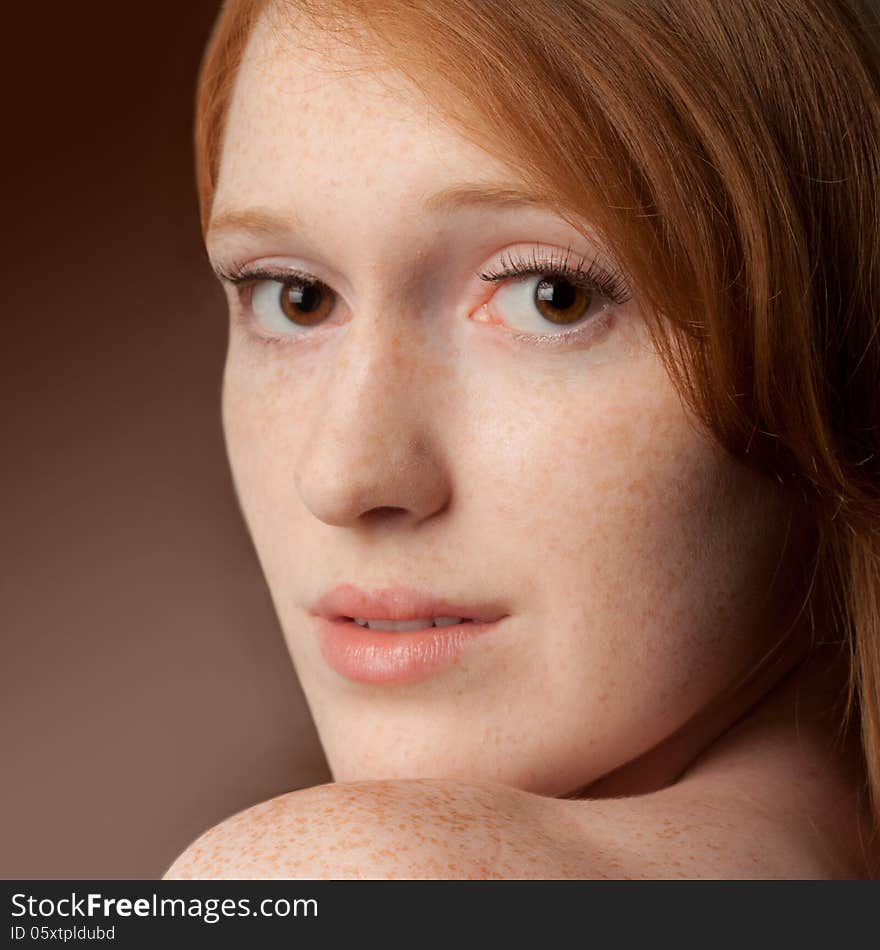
306 304
561 301
558 293
306 297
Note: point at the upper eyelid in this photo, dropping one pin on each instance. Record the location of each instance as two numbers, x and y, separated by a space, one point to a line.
551 259
607 278
245 273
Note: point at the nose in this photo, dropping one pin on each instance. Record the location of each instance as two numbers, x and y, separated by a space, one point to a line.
373 443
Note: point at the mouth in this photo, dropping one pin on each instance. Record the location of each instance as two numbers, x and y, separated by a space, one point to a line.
398 634
392 605
398 626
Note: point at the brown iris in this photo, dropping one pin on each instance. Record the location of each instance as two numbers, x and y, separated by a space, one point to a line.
561 301
306 303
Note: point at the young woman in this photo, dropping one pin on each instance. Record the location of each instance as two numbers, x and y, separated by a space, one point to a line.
552 406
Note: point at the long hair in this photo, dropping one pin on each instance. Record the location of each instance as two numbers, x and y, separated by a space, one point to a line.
729 155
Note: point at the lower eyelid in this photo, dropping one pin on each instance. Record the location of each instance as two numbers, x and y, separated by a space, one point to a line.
590 332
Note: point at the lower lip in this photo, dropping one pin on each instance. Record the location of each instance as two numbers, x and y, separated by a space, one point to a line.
387 656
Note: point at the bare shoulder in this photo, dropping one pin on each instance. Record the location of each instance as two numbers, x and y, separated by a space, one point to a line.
776 797
416 828
419 829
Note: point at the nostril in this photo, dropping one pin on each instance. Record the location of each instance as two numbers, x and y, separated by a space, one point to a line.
384 513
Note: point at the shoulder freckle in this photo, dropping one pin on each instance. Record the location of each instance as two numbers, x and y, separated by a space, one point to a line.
396 829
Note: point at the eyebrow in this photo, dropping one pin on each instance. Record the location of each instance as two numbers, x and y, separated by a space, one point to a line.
454 198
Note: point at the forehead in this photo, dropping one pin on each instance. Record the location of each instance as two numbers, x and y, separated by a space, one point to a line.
312 115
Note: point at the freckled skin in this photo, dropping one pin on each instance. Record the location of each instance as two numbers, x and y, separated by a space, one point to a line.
755 805
633 556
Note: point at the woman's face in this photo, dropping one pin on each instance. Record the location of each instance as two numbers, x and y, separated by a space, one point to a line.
398 426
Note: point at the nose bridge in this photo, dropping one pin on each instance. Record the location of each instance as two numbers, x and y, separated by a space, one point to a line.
372 444
376 368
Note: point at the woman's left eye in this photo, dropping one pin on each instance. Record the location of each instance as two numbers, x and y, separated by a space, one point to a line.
540 296
534 305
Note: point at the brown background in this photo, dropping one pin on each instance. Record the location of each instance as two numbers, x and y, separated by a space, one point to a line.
146 690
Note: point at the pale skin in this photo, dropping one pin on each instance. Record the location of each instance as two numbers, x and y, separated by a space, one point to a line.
410 439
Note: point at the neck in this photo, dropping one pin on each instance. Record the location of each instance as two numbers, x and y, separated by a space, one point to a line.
668 761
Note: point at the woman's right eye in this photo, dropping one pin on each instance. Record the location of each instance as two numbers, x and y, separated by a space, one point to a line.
280 306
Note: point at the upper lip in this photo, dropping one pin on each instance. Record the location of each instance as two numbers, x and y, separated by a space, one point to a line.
399 603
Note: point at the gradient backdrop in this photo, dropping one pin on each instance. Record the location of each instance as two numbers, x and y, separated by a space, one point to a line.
146 690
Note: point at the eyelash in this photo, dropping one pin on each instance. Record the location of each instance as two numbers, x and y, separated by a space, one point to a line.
608 282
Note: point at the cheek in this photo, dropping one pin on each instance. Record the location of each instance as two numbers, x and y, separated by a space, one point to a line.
263 410
642 547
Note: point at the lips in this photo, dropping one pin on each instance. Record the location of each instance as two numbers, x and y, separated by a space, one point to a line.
399 603
385 656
